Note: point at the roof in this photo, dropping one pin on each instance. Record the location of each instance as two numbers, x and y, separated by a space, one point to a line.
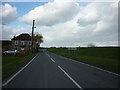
23 36
5 42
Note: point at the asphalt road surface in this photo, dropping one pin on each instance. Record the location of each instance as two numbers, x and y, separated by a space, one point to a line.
48 70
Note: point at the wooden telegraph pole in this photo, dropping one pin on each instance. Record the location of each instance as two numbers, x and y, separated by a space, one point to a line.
32 35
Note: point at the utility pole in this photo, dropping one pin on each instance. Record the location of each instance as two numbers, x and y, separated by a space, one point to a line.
32 35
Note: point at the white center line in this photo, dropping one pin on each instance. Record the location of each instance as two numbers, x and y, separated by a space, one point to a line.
52 60
70 78
48 56
89 65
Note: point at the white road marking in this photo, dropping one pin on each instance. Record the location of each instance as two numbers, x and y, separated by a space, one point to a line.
89 65
70 78
95 67
47 55
52 60
18 72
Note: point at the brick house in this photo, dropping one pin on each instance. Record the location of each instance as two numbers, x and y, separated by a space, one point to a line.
23 42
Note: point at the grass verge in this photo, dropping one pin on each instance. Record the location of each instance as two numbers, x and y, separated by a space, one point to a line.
11 63
103 57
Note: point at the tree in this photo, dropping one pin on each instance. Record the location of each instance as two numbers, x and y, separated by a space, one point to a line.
39 39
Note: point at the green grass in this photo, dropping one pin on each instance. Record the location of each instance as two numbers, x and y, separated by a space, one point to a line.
11 63
103 57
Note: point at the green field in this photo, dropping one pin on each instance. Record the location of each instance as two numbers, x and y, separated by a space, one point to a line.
103 57
11 63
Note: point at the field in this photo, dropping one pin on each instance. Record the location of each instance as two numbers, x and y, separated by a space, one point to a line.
103 57
11 63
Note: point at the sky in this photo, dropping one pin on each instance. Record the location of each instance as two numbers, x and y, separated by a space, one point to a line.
63 23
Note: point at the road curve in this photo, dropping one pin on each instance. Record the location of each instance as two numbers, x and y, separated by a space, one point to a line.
48 70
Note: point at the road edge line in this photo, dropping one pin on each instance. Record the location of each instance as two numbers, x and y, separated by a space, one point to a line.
95 67
70 77
89 65
4 84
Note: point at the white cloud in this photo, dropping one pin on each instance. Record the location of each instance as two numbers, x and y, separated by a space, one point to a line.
94 23
9 31
89 15
52 13
94 13
8 13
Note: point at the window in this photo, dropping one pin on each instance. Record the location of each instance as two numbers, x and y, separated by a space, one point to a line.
22 42
22 49
29 42
16 42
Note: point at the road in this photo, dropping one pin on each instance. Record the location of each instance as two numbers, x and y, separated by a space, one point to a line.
48 70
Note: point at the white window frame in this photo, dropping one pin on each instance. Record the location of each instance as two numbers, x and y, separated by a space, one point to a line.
29 43
16 42
22 42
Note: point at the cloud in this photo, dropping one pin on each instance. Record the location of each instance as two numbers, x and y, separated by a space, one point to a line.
9 31
89 15
8 13
52 13
94 23
94 13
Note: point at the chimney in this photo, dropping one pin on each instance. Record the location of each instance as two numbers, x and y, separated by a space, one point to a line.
14 36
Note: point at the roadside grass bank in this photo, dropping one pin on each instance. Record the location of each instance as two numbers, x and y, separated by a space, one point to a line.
11 63
103 57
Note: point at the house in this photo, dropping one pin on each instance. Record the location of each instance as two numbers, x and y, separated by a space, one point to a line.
23 42
6 45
